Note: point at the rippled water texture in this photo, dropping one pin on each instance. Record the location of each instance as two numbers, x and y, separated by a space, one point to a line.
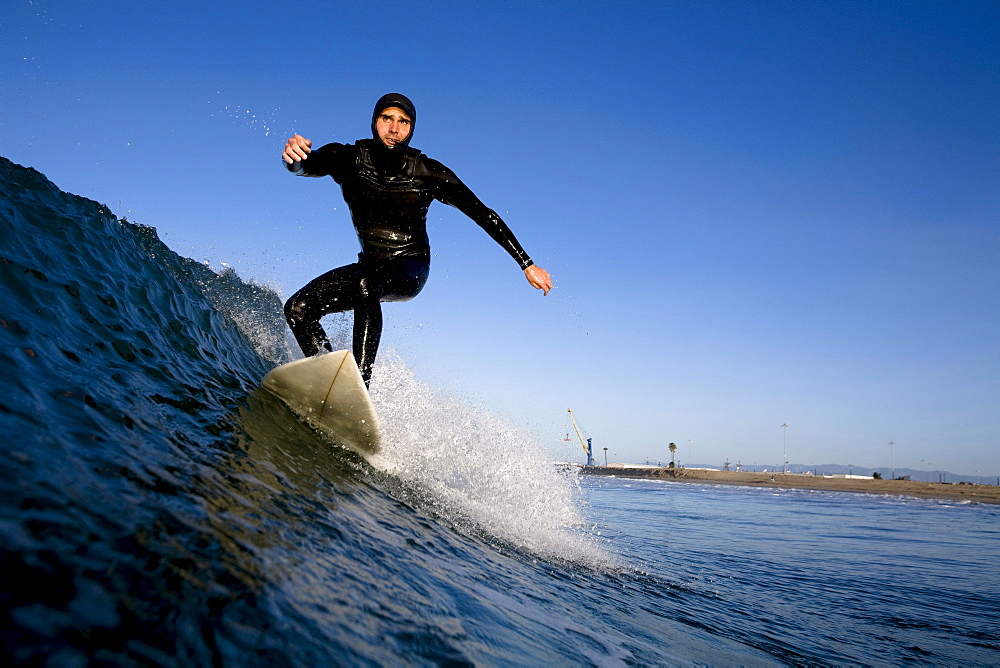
158 509
818 577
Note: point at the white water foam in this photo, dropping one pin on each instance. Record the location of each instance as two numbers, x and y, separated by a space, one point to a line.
478 470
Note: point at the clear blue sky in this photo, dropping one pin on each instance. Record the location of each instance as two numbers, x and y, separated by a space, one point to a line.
756 213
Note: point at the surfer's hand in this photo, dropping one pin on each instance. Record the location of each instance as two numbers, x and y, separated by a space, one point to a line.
539 278
297 149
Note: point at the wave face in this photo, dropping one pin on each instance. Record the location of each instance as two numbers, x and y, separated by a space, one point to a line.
157 509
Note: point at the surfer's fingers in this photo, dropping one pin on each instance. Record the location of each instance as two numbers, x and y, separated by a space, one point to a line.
539 278
303 147
296 149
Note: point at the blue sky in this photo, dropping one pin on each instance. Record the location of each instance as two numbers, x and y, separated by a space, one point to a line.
756 213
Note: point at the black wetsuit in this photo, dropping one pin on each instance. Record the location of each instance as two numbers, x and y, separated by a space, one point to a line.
388 192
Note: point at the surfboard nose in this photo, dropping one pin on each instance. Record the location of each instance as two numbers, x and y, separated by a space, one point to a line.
327 391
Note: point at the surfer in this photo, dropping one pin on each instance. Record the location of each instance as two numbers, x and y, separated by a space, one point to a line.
388 187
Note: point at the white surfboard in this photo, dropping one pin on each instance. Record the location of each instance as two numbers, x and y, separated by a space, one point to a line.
328 392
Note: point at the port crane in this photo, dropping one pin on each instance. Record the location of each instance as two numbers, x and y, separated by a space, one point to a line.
586 444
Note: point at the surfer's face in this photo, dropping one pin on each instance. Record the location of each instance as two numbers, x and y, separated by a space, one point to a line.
393 125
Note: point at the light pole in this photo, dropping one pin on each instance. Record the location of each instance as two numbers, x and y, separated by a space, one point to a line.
892 458
690 442
605 458
784 448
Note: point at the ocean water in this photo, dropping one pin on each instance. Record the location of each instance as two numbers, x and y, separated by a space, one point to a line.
157 509
816 577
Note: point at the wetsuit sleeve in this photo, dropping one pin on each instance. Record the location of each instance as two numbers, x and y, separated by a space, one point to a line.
327 160
449 189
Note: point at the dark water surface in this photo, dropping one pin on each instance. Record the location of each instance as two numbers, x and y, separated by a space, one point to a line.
158 510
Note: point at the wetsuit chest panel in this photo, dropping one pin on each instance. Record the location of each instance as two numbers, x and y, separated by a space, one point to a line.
389 212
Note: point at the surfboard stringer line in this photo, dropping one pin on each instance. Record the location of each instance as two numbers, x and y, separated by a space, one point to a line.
333 382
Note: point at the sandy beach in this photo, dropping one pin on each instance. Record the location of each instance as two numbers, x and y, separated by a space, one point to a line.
931 490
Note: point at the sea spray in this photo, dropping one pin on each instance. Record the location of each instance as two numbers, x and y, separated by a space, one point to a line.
478 470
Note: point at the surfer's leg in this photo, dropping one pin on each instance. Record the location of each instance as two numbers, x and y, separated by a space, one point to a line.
399 280
367 335
335 291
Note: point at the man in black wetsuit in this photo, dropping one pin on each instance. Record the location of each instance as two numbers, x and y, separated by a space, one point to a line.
388 187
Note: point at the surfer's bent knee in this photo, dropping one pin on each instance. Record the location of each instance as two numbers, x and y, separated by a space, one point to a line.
295 311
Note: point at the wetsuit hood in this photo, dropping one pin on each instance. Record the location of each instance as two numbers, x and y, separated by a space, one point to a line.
402 102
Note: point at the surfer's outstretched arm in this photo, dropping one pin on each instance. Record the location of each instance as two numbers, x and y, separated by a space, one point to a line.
302 159
450 190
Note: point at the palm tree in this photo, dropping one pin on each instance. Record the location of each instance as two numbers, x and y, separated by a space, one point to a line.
672 448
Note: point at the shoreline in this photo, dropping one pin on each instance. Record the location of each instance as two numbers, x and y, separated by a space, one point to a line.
926 490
